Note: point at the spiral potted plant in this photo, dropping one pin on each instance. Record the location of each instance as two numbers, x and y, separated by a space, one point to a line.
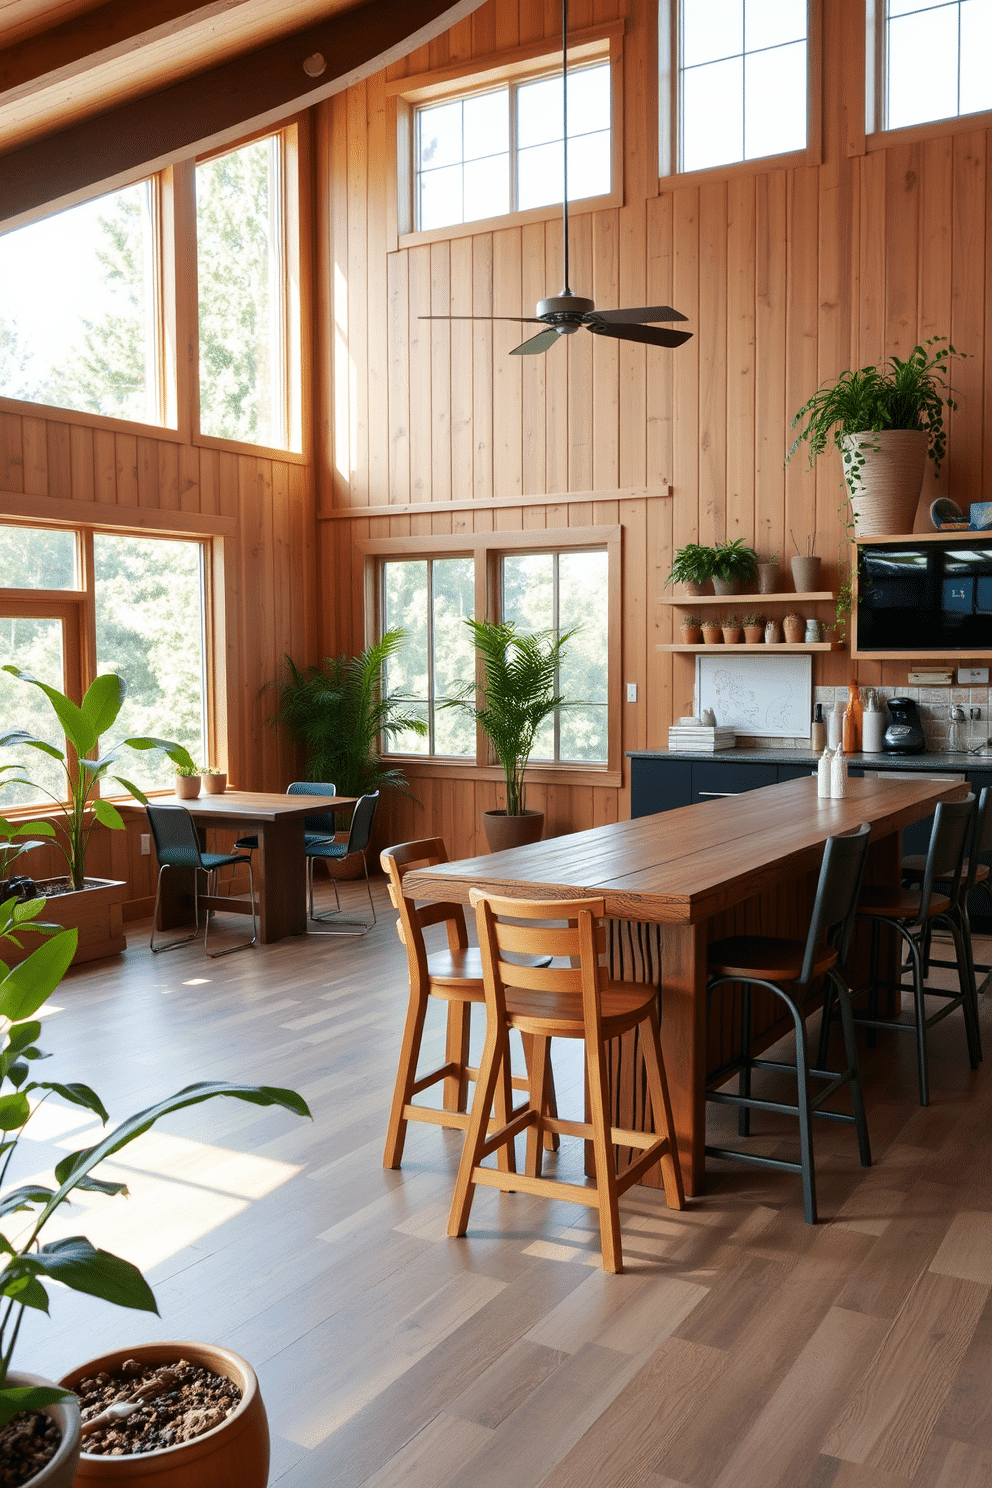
885 421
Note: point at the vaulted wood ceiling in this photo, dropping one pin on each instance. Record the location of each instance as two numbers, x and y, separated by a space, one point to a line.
90 91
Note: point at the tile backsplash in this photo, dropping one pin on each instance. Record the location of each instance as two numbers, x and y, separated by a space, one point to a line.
935 705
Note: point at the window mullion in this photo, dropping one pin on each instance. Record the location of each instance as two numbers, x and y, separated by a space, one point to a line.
431 691
511 103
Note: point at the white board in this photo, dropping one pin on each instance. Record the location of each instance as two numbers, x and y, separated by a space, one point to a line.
767 696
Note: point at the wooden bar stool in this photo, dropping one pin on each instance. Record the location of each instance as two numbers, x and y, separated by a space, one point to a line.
974 875
453 976
790 969
577 1001
914 914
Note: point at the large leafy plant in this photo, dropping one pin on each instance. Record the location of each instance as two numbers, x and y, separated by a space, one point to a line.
31 1263
340 712
517 694
908 394
83 725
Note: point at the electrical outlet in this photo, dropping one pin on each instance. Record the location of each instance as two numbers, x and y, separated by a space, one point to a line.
146 844
974 714
976 676
632 692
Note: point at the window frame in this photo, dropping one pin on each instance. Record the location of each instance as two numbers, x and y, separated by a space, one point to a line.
523 64
76 609
877 134
670 177
487 549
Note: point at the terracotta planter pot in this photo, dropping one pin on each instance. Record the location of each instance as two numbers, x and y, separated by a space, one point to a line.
706 587
806 574
215 785
187 787
886 491
754 634
732 635
234 1454
504 831
727 586
712 635
691 635
60 1472
795 630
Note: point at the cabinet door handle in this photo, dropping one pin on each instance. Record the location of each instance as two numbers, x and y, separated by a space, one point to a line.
721 793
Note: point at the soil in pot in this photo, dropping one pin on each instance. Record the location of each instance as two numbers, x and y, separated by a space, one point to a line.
27 1444
175 1403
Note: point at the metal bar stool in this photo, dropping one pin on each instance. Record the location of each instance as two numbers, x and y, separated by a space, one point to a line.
177 846
975 875
790 969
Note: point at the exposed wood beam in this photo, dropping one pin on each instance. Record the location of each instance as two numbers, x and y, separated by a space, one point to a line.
109 31
213 107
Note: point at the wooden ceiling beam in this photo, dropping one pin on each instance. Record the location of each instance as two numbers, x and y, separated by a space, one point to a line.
111 30
216 106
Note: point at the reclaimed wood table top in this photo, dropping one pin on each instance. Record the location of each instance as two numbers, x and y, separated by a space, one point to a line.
263 806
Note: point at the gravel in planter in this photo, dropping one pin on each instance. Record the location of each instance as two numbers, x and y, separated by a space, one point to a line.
27 1444
176 1402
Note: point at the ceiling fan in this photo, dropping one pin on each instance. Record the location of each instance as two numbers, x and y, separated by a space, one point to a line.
565 313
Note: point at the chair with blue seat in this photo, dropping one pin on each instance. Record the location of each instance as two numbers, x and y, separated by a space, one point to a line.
178 846
321 825
326 849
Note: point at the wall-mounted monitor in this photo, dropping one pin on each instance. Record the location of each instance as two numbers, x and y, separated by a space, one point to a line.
919 596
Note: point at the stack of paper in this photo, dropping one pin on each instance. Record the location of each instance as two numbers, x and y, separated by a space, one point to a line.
697 738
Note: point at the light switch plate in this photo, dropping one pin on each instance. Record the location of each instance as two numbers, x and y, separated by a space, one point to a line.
974 676
632 692
146 844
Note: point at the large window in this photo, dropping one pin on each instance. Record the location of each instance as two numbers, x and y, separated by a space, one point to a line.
141 612
80 308
537 590
484 154
742 80
934 60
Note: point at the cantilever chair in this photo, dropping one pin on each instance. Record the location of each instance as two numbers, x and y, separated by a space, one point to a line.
177 846
326 849
321 825
790 969
453 976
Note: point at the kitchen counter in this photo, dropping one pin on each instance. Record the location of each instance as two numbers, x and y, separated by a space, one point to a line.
960 762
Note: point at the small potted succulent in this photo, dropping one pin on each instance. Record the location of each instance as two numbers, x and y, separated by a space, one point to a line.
732 632
188 779
773 633
795 628
754 629
693 567
712 631
214 780
691 629
735 566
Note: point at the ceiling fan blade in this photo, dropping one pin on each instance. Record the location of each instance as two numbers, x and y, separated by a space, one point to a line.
647 334
640 315
517 319
537 343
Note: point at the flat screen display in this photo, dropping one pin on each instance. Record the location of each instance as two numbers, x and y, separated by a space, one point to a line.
925 596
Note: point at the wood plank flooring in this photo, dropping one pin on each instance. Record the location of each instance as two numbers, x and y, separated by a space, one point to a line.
740 1349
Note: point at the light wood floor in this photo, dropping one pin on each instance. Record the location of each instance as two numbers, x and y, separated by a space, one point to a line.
741 1349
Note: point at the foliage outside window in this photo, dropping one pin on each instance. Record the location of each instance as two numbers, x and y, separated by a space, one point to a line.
148 605
935 60
80 308
430 600
742 80
491 152
243 295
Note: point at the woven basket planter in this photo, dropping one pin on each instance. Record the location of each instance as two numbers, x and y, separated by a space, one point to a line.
885 491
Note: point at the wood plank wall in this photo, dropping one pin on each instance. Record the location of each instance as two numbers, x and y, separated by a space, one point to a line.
268 594
787 276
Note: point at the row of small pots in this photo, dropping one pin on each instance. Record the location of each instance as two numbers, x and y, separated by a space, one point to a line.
805 577
188 786
234 1454
712 632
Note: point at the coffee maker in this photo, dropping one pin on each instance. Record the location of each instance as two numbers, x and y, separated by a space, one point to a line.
904 734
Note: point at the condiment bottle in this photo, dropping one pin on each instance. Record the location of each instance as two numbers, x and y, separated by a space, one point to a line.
835 725
872 725
823 774
818 730
838 776
851 737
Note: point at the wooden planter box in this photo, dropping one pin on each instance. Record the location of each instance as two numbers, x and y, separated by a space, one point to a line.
97 912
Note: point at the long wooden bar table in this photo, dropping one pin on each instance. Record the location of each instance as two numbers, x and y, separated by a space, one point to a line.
278 821
738 863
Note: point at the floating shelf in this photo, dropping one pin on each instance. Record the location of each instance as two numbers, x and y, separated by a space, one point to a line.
758 647
689 601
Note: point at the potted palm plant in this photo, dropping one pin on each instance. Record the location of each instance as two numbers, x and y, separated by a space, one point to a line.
885 421
93 906
517 693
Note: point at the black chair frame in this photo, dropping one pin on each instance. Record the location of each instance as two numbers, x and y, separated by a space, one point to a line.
187 854
326 849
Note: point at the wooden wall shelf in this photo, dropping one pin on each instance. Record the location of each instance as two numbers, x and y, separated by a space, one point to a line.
689 601
758 648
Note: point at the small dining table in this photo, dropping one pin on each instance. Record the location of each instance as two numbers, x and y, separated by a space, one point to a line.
278 821
741 863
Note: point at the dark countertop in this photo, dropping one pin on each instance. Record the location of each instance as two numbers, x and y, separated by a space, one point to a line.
959 762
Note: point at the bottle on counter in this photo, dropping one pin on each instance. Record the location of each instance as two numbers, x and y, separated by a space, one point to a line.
835 726
838 776
873 724
818 731
853 714
823 774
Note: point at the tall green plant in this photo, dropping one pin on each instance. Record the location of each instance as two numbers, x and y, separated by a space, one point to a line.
83 724
518 694
339 711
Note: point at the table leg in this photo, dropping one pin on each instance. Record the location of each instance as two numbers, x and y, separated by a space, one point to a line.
281 883
683 1045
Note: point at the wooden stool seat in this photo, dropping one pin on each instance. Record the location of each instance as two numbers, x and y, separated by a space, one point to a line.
577 1000
764 956
456 974
899 904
